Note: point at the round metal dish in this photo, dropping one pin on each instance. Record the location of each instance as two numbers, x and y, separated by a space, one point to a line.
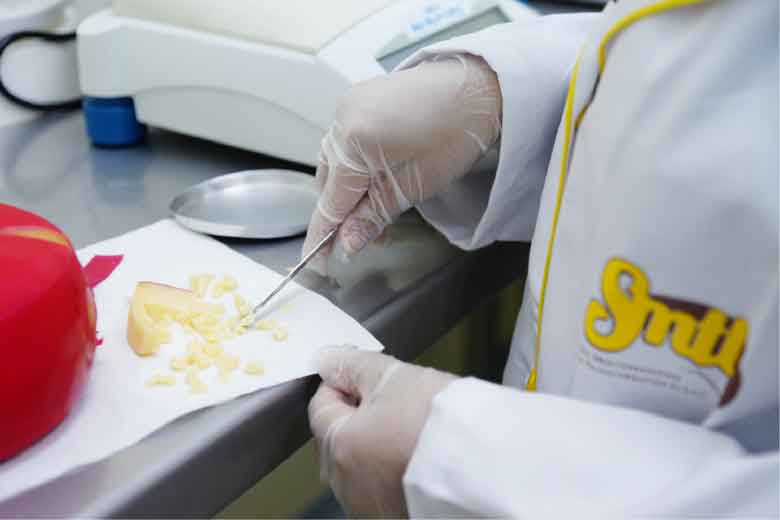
249 204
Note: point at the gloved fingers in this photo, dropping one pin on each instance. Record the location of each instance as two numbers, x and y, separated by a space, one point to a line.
326 407
360 227
329 411
321 175
355 373
387 197
327 147
344 187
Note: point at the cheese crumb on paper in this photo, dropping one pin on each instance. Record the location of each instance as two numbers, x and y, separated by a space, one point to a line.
199 283
266 325
280 334
197 386
161 380
254 368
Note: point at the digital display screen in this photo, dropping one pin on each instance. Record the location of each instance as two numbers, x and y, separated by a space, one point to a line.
488 18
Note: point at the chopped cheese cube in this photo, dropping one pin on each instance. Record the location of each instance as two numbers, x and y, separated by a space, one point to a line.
225 285
247 321
254 368
197 386
229 283
226 364
280 334
211 337
178 364
213 350
266 325
242 307
161 380
199 283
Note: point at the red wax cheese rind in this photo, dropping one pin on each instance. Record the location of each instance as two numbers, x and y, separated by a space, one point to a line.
100 268
47 326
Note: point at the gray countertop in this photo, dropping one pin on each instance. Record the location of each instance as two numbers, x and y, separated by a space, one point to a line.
407 293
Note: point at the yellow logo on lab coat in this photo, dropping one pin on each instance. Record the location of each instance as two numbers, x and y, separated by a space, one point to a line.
704 335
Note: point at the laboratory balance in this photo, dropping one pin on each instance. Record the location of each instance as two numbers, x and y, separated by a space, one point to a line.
265 76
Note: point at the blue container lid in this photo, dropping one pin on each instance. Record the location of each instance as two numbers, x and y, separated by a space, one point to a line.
112 121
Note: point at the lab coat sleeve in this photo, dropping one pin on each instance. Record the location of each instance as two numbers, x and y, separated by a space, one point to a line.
532 60
491 451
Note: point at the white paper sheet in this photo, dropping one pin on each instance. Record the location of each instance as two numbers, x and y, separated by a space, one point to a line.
118 409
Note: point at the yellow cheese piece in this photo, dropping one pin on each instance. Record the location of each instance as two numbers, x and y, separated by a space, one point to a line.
161 380
203 362
266 325
199 283
213 350
254 368
280 334
197 386
229 283
242 307
178 364
225 285
226 364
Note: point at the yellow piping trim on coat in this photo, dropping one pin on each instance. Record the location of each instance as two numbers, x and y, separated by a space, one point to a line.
633 17
567 138
567 134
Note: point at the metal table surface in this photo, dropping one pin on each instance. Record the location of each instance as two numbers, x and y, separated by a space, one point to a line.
407 294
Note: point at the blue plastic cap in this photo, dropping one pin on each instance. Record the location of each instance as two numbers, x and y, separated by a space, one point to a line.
112 121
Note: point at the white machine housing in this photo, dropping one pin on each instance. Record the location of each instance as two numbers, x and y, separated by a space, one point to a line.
271 96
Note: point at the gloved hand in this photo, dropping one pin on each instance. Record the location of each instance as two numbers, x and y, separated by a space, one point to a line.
398 140
366 417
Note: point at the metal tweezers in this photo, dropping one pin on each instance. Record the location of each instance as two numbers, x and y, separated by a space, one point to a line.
296 269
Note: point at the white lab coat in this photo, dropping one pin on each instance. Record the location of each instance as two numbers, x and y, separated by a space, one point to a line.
666 240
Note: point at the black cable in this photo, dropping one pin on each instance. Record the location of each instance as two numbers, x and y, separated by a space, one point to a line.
48 37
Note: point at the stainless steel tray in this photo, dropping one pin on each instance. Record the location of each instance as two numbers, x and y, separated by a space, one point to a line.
249 204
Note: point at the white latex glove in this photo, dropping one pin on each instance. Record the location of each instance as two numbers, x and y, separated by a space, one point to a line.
398 140
366 417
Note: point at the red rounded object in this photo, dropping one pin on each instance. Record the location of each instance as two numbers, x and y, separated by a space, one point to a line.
47 329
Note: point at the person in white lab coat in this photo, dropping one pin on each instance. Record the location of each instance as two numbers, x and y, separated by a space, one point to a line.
638 151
